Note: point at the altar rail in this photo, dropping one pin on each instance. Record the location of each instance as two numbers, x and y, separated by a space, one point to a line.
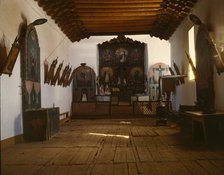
104 108
94 108
147 107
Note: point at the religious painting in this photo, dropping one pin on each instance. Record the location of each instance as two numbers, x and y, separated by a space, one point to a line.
107 55
83 77
136 54
136 74
84 85
31 70
121 55
8 62
11 59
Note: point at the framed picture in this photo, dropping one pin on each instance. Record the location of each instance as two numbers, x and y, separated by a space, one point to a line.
11 59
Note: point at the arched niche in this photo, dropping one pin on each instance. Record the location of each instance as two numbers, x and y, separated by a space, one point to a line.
84 86
155 71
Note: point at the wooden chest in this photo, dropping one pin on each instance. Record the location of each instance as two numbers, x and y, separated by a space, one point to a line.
40 124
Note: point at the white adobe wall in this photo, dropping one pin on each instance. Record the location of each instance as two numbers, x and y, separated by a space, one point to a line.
209 13
52 42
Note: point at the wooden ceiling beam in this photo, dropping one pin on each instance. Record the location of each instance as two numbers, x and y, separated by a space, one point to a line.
116 6
124 29
115 28
118 25
115 18
119 30
117 1
104 19
118 14
118 33
112 10
136 23
148 19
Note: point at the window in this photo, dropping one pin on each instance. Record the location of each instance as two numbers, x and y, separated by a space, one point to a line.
191 48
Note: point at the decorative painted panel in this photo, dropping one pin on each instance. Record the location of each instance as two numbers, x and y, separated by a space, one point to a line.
31 70
84 85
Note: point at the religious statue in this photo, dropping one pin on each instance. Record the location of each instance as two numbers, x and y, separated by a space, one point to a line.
205 57
118 81
123 57
84 95
98 85
101 90
159 71
106 78
107 90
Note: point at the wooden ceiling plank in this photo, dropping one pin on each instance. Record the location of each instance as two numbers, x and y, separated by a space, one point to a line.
117 25
120 21
115 18
123 29
116 6
118 33
123 23
117 1
111 15
119 30
113 10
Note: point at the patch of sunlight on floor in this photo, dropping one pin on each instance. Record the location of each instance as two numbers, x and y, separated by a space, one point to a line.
124 122
109 135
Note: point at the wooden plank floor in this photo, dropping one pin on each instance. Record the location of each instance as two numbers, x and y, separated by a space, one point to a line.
114 147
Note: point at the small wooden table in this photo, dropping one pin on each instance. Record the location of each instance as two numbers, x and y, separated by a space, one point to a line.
212 124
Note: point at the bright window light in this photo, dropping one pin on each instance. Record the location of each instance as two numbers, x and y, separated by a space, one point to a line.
191 45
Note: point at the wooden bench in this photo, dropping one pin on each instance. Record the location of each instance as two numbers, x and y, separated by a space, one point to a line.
183 108
187 120
212 124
